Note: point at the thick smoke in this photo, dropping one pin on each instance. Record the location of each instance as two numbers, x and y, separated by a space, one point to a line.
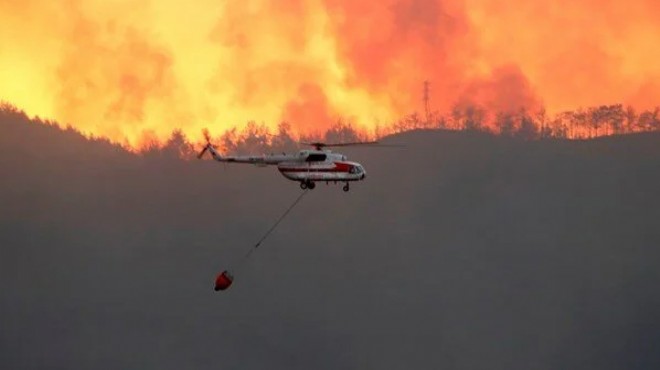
117 68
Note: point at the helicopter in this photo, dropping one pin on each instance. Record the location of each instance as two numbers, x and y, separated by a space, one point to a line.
307 167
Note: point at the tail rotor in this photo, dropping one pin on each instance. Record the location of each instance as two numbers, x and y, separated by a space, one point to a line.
207 136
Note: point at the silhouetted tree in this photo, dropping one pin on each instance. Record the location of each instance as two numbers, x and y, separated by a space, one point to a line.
527 130
505 123
382 131
542 119
616 118
630 119
178 146
561 126
468 117
648 120
441 122
655 123
282 141
148 143
229 140
408 123
595 117
578 123
254 138
341 132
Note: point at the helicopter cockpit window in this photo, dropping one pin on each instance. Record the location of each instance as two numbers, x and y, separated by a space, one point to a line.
356 169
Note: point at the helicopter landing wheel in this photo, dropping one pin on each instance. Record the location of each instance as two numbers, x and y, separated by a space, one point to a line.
346 188
303 185
311 185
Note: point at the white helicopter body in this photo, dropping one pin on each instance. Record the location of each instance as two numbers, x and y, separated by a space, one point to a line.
306 167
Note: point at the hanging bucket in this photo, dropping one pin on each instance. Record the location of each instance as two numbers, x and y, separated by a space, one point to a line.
223 281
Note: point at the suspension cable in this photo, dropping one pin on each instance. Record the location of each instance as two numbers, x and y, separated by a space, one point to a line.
247 255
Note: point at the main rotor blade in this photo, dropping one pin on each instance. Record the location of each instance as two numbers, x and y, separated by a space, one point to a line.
356 143
322 144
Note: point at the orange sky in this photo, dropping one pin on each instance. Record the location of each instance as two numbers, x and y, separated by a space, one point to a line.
117 68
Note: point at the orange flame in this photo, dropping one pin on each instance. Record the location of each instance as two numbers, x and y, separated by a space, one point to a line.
119 68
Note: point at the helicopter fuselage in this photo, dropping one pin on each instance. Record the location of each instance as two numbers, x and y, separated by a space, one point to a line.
338 171
306 167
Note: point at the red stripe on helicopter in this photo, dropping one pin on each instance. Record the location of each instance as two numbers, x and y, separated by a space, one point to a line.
339 167
311 170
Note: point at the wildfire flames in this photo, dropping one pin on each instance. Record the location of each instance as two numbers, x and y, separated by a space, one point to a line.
120 69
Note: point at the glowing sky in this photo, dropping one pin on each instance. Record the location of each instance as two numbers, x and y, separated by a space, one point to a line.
117 68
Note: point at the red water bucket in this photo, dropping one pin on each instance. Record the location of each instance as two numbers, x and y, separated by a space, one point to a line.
223 281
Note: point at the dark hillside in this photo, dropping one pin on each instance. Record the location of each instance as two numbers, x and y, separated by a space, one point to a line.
460 251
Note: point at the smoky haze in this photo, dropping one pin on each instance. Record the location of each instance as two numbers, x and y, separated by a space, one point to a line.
120 68
460 251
